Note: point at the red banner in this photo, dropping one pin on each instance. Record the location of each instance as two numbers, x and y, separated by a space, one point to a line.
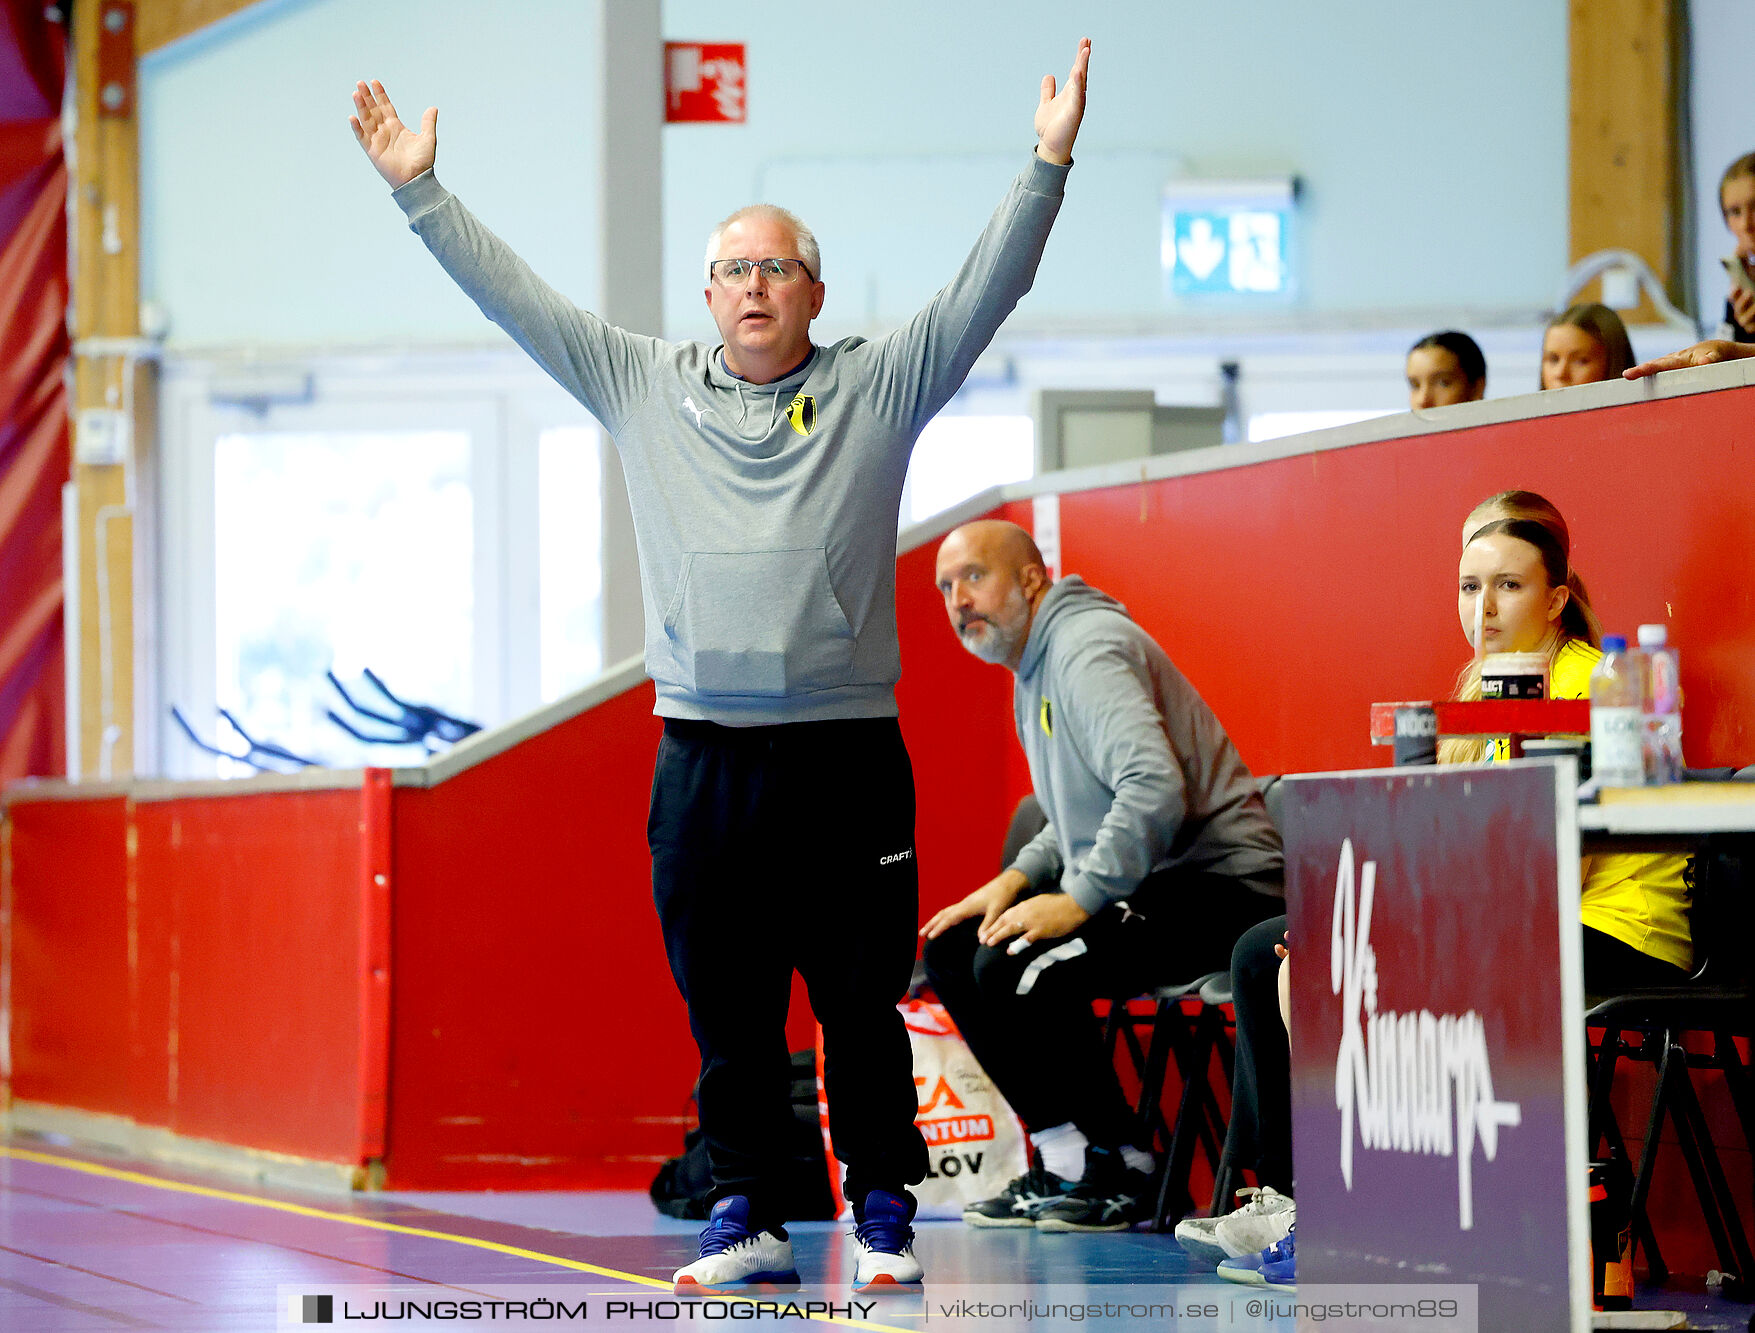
33 400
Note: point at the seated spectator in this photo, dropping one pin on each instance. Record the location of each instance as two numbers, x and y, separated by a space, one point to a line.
1634 905
1157 854
1516 555
1445 368
1736 203
1537 509
1707 353
1583 345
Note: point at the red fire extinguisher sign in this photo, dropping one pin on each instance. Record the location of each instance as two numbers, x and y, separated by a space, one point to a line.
704 81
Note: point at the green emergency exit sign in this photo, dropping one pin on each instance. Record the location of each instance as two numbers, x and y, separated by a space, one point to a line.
1229 238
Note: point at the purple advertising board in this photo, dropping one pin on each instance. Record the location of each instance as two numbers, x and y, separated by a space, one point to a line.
1438 1035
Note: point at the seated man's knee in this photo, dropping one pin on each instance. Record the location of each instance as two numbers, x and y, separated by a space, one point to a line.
996 975
1253 955
1026 979
950 957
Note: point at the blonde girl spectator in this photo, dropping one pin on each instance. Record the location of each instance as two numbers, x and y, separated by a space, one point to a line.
1584 344
1634 906
1538 509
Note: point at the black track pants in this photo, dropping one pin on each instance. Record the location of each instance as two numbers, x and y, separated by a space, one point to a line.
1028 1017
781 848
1260 1132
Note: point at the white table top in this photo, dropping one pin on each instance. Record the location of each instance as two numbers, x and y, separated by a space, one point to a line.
1669 817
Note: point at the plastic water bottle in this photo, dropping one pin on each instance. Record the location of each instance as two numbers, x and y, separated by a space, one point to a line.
1617 717
1663 707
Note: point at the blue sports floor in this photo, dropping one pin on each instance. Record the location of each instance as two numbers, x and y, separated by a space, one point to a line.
89 1242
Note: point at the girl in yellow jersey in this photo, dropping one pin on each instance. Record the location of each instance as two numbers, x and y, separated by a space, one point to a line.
1516 564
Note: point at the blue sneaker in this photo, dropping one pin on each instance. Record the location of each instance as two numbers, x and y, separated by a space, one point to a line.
1279 1268
734 1258
1246 1270
886 1245
1273 1267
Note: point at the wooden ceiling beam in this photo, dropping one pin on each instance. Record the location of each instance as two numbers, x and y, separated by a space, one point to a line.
161 22
1626 161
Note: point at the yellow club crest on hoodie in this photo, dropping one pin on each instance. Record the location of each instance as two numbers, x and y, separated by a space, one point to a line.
1047 717
802 413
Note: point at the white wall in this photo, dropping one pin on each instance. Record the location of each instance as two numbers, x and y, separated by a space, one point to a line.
1433 147
1433 152
262 221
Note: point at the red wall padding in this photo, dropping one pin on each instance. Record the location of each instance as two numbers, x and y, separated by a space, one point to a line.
1294 593
536 1035
33 402
193 965
75 1014
957 719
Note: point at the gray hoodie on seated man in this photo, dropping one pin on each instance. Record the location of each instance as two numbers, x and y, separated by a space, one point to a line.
1157 853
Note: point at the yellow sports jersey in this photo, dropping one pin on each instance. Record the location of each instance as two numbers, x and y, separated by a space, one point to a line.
1639 898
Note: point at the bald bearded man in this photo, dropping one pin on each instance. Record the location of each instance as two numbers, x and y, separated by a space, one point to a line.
1157 855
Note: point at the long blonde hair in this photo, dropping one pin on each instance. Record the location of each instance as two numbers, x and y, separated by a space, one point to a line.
1532 518
1602 324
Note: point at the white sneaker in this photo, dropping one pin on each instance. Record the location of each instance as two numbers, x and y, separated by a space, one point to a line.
886 1246
734 1258
1197 1235
1264 1221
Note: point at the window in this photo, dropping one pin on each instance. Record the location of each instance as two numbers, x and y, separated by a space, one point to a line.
960 456
341 551
435 518
1275 425
570 520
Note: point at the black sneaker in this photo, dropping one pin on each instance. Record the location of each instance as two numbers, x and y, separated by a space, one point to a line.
1017 1204
1108 1197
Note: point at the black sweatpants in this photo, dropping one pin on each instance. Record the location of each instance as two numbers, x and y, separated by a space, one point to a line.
780 848
1028 1017
1260 1134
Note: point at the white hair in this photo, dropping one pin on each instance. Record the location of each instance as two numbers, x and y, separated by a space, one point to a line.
801 234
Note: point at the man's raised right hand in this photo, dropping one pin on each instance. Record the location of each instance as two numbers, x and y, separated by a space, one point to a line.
396 151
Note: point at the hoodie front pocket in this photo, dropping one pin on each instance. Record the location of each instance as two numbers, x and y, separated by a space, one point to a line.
759 623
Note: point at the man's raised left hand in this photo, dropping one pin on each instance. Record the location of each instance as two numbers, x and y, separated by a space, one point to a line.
1058 115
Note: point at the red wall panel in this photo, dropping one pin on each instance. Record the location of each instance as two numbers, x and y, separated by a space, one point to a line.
957 720
72 996
256 902
193 965
1293 593
537 1036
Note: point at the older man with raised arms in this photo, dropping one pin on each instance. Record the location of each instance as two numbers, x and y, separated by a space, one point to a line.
765 475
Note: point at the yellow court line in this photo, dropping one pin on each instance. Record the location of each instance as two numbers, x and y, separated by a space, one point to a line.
372 1223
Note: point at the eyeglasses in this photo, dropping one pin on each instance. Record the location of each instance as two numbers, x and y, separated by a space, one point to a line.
736 272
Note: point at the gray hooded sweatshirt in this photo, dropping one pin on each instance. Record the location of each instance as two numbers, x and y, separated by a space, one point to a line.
765 514
1132 768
